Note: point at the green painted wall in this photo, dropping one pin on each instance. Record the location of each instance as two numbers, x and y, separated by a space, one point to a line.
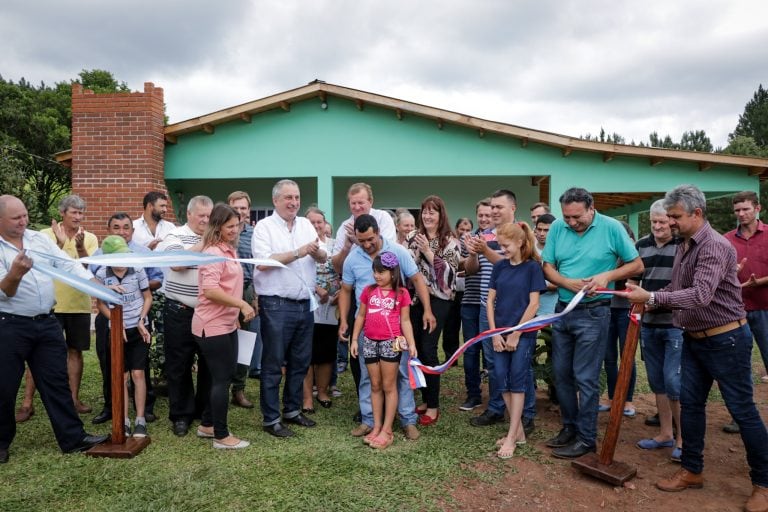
404 160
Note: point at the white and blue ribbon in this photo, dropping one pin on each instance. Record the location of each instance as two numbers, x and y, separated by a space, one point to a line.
84 285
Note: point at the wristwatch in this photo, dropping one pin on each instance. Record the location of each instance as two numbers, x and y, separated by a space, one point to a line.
295 254
651 300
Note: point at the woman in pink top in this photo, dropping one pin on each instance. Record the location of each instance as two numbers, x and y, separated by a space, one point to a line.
215 321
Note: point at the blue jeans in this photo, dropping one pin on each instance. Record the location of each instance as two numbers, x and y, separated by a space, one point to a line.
758 324
470 325
726 358
577 340
495 400
255 326
617 330
406 404
662 347
287 328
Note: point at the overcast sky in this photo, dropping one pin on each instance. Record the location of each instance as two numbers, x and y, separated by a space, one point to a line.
631 67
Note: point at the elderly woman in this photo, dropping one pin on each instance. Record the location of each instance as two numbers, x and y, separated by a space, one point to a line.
324 337
215 321
436 252
404 224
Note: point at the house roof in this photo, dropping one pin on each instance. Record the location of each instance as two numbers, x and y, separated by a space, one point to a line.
567 144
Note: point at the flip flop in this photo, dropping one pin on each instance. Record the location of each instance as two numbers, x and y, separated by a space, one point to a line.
504 455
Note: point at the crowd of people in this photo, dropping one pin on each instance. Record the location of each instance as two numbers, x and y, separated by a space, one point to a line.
387 288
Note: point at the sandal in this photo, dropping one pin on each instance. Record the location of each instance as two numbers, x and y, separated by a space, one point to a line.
518 442
382 441
370 437
505 454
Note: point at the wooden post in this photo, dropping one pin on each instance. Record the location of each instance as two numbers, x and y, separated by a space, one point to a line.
604 467
119 447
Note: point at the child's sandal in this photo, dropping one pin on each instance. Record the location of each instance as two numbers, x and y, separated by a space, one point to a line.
370 437
382 441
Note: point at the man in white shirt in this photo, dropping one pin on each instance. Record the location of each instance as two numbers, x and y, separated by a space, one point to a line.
150 229
360 197
287 320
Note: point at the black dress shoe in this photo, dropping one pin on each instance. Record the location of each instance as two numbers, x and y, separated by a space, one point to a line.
325 404
104 416
279 430
87 442
487 418
653 421
300 419
564 438
150 417
528 426
3 455
572 451
180 428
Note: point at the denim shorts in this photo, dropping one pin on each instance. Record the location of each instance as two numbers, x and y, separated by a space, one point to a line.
662 348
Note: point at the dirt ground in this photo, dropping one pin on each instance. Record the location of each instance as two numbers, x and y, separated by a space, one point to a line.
550 484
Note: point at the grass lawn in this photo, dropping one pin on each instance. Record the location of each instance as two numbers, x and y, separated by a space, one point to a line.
320 469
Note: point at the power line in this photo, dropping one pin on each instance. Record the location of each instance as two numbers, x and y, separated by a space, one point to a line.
21 152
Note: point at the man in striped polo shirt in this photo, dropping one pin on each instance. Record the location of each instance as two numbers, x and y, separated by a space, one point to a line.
470 313
180 288
484 250
662 342
705 296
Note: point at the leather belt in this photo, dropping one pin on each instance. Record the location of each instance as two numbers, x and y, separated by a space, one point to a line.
35 317
588 305
284 299
178 304
714 331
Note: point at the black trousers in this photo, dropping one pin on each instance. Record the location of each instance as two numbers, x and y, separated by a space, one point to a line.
101 326
180 350
452 327
39 342
426 344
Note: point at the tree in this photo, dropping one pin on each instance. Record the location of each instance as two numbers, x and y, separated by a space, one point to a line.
754 121
35 124
696 141
613 138
743 145
101 81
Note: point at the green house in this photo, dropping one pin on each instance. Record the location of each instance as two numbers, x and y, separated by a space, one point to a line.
327 137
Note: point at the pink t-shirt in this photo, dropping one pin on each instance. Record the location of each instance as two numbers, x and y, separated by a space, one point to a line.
382 317
217 319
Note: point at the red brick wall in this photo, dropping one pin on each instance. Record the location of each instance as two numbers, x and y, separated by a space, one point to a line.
117 151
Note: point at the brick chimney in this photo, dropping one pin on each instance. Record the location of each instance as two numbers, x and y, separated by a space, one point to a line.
117 151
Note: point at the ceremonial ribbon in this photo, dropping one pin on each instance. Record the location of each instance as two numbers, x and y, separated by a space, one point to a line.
416 369
84 285
184 259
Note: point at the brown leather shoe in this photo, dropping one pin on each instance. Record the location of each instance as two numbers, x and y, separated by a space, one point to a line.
758 502
681 481
361 430
411 432
238 399
24 413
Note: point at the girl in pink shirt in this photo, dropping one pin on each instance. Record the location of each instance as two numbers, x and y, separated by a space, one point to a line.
383 316
214 323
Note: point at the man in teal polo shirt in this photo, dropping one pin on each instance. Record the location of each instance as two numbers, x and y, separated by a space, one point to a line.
584 250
